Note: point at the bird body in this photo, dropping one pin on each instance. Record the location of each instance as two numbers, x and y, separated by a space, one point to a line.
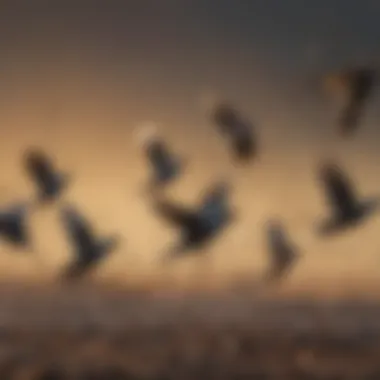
197 227
88 250
347 209
13 226
357 85
165 167
238 132
48 181
282 252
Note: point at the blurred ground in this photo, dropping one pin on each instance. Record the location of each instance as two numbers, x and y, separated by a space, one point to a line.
91 332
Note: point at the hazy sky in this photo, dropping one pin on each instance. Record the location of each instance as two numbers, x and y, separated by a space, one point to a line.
78 77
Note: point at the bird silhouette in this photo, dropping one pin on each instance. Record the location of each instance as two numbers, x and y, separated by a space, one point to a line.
40 169
238 132
200 225
357 84
282 252
88 249
13 225
165 166
347 209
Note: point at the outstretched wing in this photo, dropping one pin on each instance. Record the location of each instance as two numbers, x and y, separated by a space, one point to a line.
12 223
176 215
339 189
79 231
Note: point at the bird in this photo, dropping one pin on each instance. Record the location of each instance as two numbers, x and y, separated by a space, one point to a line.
13 225
198 225
48 181
164 164
347 209
357 84
237 130
282 251
87 248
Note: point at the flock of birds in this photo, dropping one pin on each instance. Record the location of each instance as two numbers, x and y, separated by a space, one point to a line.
197 227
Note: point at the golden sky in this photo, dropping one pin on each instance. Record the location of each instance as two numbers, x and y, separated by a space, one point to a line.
78 80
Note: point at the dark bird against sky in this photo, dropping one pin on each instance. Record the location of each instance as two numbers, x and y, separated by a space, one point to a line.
13 225
197 226
165 166
40 169
347 209
282 252
357 85
88 250
237 131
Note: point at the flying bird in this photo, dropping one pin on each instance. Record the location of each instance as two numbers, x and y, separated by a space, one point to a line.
237 131
40 169
347 209
87 248
197 226
282 252
357 85
13 225
165 166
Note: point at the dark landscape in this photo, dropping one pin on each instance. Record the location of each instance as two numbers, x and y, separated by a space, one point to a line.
87 334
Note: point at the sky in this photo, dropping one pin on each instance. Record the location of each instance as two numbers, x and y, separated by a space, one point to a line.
78 78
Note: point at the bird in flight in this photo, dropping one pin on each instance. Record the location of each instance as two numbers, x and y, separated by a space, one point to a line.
198 225
357 85
40 169
165 166
87 248
237 131
282 252
13 225
347 209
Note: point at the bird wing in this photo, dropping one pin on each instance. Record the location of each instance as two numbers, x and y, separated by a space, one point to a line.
211 210
79 230
16 210
339 190
175 214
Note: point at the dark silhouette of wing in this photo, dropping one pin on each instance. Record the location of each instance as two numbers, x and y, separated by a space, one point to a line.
282 252
83 264
79 232
237 130
360 83
176 215
12 225
42 172
164 164
339 190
